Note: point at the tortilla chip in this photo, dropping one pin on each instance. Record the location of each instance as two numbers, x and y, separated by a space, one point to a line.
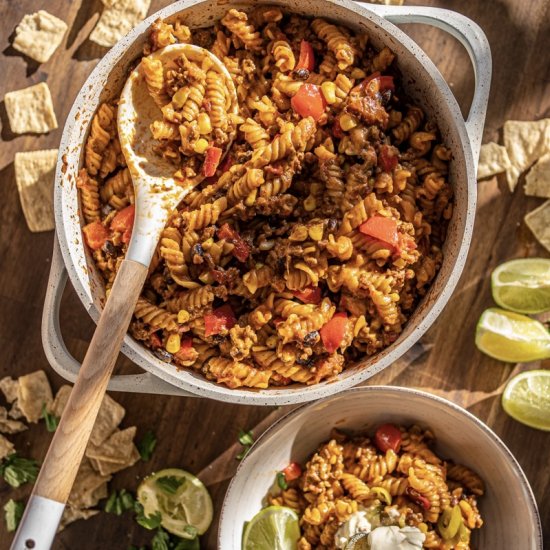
39 34
34 392
117 19
525 143
537 181
15 412
538 221
107 468
6 447
89 487
493 159
109 417
35 174
8 426
116 448
8 386
71 515
31 110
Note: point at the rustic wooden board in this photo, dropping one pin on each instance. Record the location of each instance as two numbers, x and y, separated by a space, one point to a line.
193 432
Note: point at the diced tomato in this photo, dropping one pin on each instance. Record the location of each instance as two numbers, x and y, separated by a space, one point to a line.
309 295
369 78
386 83
387 437
211 161
241 250
415 496
219 276
309 101
218 320
307 56
383 229
124 222
387 157
333 332
186 349
95 235
379 83
227 163
155 341
292 471
337 131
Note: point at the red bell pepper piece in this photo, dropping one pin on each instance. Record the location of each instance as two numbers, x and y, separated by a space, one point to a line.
213 156
186 349
292 471
124 222
241 250
218 320
309 295
309 101
383 229
387 437
333 332
387 157
307 56
95 235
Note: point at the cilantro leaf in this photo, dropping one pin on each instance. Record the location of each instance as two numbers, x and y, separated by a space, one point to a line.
119 502
161 540
16 470
169 484
149 522
147 445
13 512
188 544
51 420
281 480
246 438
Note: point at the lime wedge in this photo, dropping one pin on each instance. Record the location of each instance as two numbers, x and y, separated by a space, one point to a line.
511 337
183 501
527 399
273 528
522 285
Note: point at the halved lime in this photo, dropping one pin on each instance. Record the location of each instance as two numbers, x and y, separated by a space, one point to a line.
522 285
527 399
183 501
511 337
273 528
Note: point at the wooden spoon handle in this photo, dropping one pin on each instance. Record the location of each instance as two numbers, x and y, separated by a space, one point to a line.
63 459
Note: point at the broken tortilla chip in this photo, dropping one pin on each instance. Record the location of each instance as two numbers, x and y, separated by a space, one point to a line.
107 468
117 448
39 34
34 175
493 159
34 392
537 181
15 412
538 221
30 110
525 142
9 386
89 487
71 515
6 447
8 426
117 19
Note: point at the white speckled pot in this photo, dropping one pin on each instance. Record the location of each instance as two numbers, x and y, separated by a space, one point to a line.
508 508
422 81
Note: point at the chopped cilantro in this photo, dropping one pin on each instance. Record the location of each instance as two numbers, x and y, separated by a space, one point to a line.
13 512
147 445
281 480
51 420
16 470
170 484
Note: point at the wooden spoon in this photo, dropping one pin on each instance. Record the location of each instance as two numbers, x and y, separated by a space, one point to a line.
157 195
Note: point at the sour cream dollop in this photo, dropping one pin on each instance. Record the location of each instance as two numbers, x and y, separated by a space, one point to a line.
357 523
395 538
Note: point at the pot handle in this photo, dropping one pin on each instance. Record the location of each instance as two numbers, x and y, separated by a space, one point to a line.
59 356
470 35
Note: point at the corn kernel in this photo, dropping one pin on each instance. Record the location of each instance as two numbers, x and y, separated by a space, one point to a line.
358 73
329 91
205 126
316 231
347 122
173 344
298 233
207 278
200 146
323 153
251 199
271 341
183 316
310 203
180 97
208 243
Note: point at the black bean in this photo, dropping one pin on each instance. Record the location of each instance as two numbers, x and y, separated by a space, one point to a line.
311 338
163 355
197 249
301 74
109 248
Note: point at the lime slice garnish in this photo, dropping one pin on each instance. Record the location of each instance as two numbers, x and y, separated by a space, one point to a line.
527 399
273 528
183 501
511 337
522 285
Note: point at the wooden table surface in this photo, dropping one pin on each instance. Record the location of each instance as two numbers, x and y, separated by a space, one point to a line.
193 432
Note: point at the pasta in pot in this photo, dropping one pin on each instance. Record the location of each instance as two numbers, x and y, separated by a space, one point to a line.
310 244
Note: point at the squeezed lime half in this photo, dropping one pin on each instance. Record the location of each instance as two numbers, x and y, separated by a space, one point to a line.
273 528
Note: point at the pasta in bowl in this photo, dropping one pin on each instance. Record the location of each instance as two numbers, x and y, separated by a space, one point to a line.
312 242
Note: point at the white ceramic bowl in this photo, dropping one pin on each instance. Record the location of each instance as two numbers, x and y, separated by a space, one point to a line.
508 508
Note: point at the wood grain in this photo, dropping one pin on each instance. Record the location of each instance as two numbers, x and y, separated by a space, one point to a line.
194 432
